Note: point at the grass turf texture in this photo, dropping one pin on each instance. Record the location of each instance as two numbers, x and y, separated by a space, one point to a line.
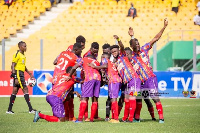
181 115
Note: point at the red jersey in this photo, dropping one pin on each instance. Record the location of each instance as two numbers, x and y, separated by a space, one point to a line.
65 60
70 48
89 72
62 87
111 71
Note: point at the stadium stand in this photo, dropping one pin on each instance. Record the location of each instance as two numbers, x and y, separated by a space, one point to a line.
19 14
99 20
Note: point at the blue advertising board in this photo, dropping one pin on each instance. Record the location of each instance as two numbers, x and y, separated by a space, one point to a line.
170 84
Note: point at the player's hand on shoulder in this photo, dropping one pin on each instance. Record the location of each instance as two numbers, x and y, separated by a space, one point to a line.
130 31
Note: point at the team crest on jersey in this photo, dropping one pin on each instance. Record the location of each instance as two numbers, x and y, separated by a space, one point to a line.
44 82
23 61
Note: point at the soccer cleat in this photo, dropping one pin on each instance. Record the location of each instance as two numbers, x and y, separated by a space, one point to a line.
98 119
36 117
72 119
153 119
136 120
87 120
77 121
32 111
161 121
129 121
123 120
114 121
107 119
9 112
66 118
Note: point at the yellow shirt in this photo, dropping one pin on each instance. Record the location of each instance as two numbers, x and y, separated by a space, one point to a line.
20 61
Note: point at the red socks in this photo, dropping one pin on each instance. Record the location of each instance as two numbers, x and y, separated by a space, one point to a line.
138 110
126 109
66 106
49 118
83 106
97 113
132 109
160 110
86 112
151 112
71 108
114 107
93 110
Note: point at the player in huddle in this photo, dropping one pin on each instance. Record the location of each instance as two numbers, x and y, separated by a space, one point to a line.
56 98
141 62
92 82
129 77
114 84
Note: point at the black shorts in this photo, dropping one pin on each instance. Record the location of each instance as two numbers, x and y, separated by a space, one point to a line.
21 79
175 9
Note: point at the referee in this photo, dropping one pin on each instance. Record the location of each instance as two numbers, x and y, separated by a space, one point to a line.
18 67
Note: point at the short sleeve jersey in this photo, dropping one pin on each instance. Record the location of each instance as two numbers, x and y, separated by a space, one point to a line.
125 69
89 72
65 60
111 71
20 61
141 63
62 87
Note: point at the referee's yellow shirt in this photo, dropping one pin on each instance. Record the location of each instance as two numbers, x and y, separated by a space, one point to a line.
20 61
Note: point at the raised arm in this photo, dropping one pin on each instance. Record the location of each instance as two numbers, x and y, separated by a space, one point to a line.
120 43
157 37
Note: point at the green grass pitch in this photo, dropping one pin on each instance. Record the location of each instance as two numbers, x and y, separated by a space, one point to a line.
181 115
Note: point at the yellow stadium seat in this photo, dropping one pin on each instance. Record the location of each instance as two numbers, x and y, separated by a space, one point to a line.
46 4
